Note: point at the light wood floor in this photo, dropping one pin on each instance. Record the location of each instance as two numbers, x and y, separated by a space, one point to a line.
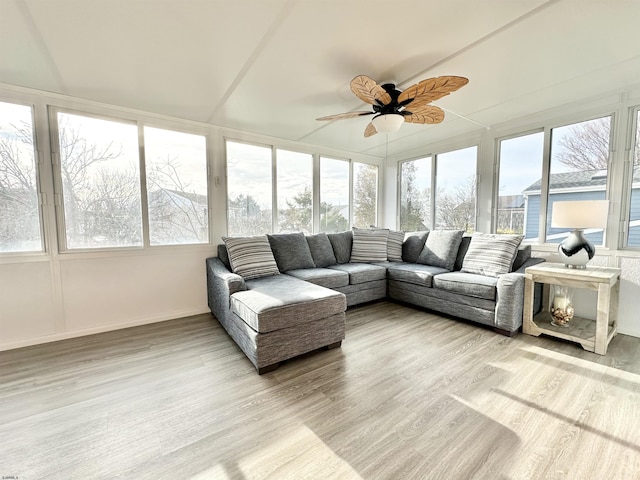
409 395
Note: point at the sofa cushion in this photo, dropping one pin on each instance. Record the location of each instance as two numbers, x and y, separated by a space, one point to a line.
441 248
361 272
369 245
223 255
524 254
469 284
251 257
281 301
341 243
413 245
291 251
321 250
324 277
462 251
414 273
394 246
491 254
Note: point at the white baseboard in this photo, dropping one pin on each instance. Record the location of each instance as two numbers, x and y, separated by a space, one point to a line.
101 329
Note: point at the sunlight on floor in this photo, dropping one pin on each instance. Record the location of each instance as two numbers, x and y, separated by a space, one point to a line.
293 453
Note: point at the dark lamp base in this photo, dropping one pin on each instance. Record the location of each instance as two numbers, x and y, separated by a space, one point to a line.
575 251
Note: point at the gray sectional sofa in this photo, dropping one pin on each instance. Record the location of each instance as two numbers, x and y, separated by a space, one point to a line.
276 316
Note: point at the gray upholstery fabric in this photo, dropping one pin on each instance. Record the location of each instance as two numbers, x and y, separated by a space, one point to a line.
413 245
523 254
450 297
509 301
223 255
221 284
341 243
441 248
374 291
414 273
325 277
462 251
352 289
291 251
361 272
281 301
451 304
264 349
321 250
470 284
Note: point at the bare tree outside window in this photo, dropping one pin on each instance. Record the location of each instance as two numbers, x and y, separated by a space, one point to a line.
249 189
456 189
415 194
176 167
19 206
99 166
579 169
365 195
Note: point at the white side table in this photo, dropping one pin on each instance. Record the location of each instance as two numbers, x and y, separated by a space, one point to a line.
594 336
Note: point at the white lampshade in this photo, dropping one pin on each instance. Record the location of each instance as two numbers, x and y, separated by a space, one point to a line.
580 214
388 123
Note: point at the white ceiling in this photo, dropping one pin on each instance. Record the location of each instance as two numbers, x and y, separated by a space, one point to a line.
273 66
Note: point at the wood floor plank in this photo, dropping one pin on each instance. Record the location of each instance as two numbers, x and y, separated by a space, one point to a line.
410 395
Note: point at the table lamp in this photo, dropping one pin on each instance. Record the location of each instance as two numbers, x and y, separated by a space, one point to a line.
575 251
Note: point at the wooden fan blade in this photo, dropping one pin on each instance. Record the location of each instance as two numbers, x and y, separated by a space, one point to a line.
370 130
342 116
369 91
431 89
428 114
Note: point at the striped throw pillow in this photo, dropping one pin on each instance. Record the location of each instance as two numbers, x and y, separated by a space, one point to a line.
251 257
369 246
491 254
394 246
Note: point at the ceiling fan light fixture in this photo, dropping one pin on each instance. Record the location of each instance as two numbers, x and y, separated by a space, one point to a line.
388 123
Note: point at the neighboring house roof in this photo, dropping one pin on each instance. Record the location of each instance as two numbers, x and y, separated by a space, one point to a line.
194 198
510 202
586 178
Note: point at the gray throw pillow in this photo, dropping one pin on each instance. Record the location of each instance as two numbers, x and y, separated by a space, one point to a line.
251 257
441 248
413 245
321 250
291 251
491 254
341 243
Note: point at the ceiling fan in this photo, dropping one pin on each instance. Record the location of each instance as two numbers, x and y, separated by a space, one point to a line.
391 106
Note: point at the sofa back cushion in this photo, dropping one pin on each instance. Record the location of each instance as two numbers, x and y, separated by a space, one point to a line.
251 257
462 251
524 254
369 246
413 245
223 255
441 248
491 254
341 243
321 250
291 251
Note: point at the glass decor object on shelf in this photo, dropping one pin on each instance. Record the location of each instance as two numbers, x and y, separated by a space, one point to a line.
561 308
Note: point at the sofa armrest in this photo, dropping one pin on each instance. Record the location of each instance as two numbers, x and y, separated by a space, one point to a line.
221 284
510 297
